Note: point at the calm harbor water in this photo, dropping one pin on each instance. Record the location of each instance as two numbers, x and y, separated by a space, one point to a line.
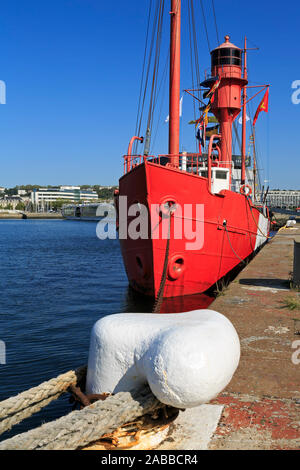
56 279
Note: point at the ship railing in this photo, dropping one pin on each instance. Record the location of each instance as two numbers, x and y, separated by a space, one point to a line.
194 163
223 164
188 162
132 161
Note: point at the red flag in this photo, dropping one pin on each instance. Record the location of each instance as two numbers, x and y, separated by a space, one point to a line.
263 106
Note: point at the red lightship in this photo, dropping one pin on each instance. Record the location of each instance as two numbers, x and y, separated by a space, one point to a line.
211 186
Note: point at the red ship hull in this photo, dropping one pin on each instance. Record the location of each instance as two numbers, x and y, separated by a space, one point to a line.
232 228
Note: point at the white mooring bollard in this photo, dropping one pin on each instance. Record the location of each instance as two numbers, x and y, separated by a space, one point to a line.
186 358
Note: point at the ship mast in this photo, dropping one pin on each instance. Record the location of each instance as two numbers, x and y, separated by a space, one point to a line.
174 113
243 166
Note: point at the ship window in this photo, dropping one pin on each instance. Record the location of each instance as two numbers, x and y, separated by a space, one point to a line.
226 56
225 61
204 174
236 53
221 175
225 52
215 56
236 61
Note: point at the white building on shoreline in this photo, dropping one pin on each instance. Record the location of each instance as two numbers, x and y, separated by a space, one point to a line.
283 198
43 197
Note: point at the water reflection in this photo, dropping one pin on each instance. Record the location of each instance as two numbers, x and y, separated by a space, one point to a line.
138 303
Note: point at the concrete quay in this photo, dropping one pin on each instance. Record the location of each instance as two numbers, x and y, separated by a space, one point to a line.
262 402
30 215
260 408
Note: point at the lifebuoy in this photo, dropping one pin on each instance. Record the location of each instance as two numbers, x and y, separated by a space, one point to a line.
246 190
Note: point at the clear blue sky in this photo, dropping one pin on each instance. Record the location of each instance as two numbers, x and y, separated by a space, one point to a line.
72 70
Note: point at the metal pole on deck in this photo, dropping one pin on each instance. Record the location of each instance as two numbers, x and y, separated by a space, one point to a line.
243 166
174 112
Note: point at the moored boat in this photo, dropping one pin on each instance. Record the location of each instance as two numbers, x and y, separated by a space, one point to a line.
85 212
202 214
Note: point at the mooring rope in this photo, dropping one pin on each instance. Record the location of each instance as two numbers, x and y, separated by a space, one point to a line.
17 408
159 297
80 428
264 235
286 228
7 423
243 261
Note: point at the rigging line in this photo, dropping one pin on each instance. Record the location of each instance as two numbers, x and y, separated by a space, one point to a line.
157 125
214 11
263 234
256 176
243 261
176 9
234 141
157 91
197 68
159 297
205 25
156 68
144 65
163 78
252 43
159 40
192 65
191 47
162 86
150 54
169 53
155 35
151 48
255 153
236 133
152 108
196 60
221 257
156 31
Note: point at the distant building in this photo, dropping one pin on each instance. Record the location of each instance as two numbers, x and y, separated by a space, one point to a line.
11 201
2 189
281 198
44 196
22 192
